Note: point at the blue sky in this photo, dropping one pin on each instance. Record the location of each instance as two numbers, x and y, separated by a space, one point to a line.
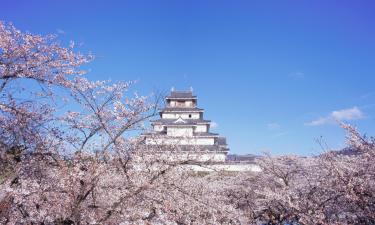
273 75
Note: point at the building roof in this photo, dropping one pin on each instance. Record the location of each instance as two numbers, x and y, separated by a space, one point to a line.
204 134
202 147
181 95
195 148
198 134
174 121
181 109
221 141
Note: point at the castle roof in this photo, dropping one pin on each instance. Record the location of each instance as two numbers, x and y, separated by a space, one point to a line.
222 141
205 134
203 147
181 109
181 95
198 134
174 121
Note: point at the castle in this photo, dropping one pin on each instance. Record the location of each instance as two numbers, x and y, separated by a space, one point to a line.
182 124
183 131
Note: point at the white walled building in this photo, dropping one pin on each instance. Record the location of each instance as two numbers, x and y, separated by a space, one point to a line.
182 124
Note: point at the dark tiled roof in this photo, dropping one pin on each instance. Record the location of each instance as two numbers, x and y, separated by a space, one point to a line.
181 95
202 147
188 121
221 141
152 133
180 109
200 134
198 148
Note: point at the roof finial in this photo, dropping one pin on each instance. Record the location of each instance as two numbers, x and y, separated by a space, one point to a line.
172 89
191 88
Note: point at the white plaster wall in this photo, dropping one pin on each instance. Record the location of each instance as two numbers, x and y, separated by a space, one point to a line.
180 141
180 131
182 115
186 115
201 128
174 103
205 141
158 127
193 116
168 116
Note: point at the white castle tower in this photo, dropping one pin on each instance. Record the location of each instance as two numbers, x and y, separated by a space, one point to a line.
182 124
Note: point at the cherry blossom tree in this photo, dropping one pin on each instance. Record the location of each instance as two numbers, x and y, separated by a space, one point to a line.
32 60
66 157
332 188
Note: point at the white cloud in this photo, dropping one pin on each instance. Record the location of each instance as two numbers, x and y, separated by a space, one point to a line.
320 121
348 114
340 115
273 126
214 125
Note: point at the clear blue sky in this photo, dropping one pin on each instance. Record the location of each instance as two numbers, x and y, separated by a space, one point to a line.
272 74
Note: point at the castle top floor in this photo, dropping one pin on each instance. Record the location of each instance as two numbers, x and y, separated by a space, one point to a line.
181 99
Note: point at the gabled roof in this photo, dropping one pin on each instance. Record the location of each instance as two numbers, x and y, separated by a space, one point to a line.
179 120
188 121
181 95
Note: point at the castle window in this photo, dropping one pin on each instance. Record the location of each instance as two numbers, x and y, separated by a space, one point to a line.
189 115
